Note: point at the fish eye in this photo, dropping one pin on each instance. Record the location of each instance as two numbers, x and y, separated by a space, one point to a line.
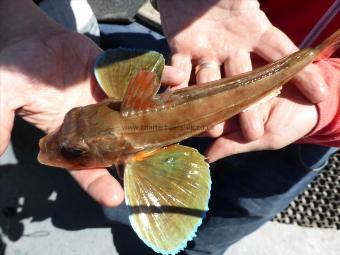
72 152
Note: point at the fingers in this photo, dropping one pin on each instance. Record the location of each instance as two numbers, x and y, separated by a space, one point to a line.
237 63
182 62
5 135
215 131
251 121
274 44
173 76
229 126
311 84
287 120
100 185
206 74
233 143
6 124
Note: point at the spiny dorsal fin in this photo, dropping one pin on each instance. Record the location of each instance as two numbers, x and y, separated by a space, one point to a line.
115 68
140 93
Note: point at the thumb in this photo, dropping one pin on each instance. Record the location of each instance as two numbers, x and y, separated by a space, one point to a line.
251 123
274 44
100 185
6 123
233 143
173 76
182 62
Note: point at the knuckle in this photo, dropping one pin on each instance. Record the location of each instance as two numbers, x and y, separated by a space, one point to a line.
274 143
215 132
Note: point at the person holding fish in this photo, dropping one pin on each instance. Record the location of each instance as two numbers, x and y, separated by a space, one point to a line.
242 29
35 62
213 39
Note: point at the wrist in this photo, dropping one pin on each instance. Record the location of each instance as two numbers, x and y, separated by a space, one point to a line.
21 19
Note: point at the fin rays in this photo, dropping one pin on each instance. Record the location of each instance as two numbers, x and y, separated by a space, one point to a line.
140 93
115 68
167 194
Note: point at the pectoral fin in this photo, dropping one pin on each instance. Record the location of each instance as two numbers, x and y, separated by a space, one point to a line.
115 68
167 193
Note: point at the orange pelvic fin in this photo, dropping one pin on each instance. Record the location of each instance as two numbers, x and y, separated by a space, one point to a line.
140 156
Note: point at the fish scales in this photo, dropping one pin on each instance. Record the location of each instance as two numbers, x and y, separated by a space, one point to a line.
167 118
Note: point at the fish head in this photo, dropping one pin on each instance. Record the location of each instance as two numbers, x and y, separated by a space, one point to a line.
83 141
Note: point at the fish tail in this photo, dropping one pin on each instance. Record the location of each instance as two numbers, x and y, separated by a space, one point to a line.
328 46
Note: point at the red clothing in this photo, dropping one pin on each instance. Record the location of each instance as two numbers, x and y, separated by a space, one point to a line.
297 18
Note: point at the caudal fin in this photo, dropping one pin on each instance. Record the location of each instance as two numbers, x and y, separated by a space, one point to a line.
328 46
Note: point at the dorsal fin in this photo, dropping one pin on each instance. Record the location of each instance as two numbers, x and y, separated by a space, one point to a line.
140 93
115 68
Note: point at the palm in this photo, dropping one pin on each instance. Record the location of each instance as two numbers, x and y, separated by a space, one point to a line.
219 34
47 76
286 119
52 75
227 32
291 117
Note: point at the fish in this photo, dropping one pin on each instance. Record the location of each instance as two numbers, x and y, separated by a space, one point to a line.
167 185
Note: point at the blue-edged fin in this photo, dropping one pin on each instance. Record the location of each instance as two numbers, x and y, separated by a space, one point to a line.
115 68
167 193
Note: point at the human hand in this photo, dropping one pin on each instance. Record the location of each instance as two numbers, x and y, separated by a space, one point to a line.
45 74
286 119
42 78
226 32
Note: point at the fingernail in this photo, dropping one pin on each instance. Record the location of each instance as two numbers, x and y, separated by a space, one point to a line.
115 197
116 200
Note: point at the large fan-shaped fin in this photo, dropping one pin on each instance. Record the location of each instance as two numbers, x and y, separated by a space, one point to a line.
167 193
115 68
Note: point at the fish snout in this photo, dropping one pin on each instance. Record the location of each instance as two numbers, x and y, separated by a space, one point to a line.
56 154
73 150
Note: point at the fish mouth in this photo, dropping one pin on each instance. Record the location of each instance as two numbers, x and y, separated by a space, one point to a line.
50 154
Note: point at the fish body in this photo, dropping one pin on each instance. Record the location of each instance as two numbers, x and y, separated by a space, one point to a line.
99 135
167 185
